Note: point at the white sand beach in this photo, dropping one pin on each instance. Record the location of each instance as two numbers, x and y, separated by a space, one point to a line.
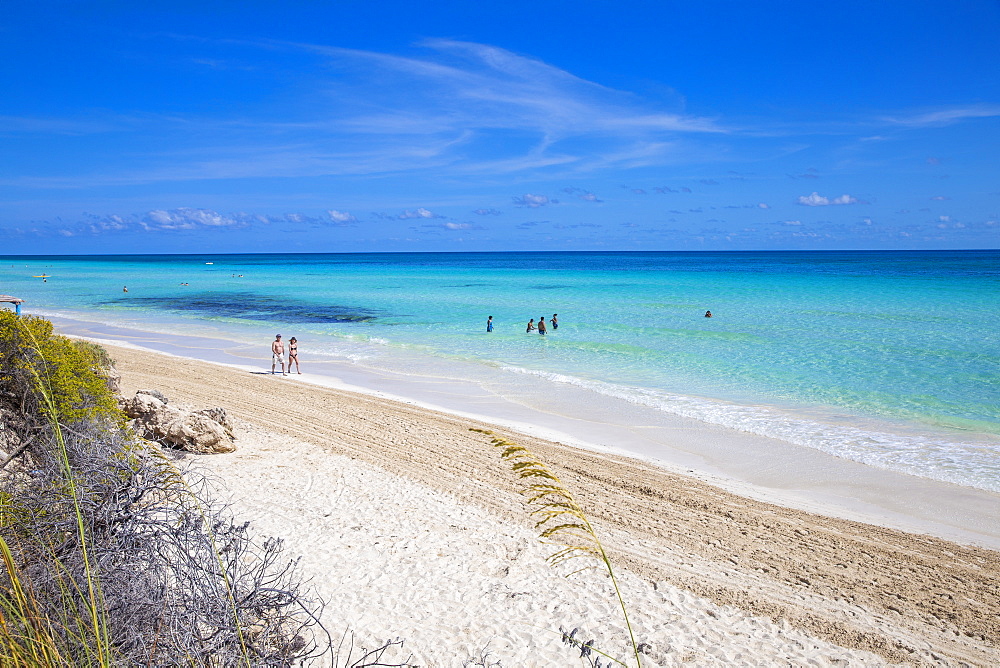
410 526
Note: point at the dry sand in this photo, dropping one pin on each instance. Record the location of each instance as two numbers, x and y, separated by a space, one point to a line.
411 526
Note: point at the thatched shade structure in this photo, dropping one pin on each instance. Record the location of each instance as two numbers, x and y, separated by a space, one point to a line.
7 299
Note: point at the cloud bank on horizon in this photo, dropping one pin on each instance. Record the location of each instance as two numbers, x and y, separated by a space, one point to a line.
205 128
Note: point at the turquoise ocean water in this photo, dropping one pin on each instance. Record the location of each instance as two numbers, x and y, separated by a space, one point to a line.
886 358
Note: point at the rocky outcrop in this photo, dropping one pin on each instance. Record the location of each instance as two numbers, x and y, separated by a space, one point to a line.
112 378
205 431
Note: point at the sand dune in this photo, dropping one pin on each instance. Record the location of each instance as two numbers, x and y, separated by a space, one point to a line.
411 526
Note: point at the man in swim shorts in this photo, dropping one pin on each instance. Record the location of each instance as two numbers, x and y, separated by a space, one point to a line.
541 325
278 354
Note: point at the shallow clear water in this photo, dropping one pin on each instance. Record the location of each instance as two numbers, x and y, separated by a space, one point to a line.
888 358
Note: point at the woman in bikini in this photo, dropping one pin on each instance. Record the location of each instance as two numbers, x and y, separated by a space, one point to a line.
293 355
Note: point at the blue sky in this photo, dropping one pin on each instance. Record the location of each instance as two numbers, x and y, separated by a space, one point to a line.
402 126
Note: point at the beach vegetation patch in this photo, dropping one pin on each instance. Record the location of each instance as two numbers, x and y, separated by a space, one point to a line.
45 377
109 555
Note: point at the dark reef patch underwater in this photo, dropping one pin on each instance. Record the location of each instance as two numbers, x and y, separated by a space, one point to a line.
250 306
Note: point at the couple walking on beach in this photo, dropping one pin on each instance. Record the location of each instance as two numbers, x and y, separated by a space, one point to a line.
278 355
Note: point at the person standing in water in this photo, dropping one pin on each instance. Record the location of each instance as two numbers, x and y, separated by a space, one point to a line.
531 326
555 323
489 324
293 355
541 326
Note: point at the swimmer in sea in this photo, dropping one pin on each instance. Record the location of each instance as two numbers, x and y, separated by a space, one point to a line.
555 323
541 326
708 314
489 324
531 326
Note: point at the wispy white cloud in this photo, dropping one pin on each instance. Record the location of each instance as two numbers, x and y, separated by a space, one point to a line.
469 108
505 112
341 217
528 224
111 223
300 218
450 225
941 117
845 199
57 126
582 194
187 219
815 199
484 86
420 212
947 223
533 201
182 219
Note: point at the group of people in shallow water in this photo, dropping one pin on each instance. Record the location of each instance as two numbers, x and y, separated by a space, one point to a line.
541 327
278 355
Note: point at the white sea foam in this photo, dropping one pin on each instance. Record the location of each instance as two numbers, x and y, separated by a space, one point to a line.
969 464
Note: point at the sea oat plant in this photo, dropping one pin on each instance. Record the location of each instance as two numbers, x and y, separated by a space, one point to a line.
560 520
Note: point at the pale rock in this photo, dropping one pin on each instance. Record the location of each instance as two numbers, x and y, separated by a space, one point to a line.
205 431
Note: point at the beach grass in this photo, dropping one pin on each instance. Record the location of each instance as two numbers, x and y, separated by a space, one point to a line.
560 519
